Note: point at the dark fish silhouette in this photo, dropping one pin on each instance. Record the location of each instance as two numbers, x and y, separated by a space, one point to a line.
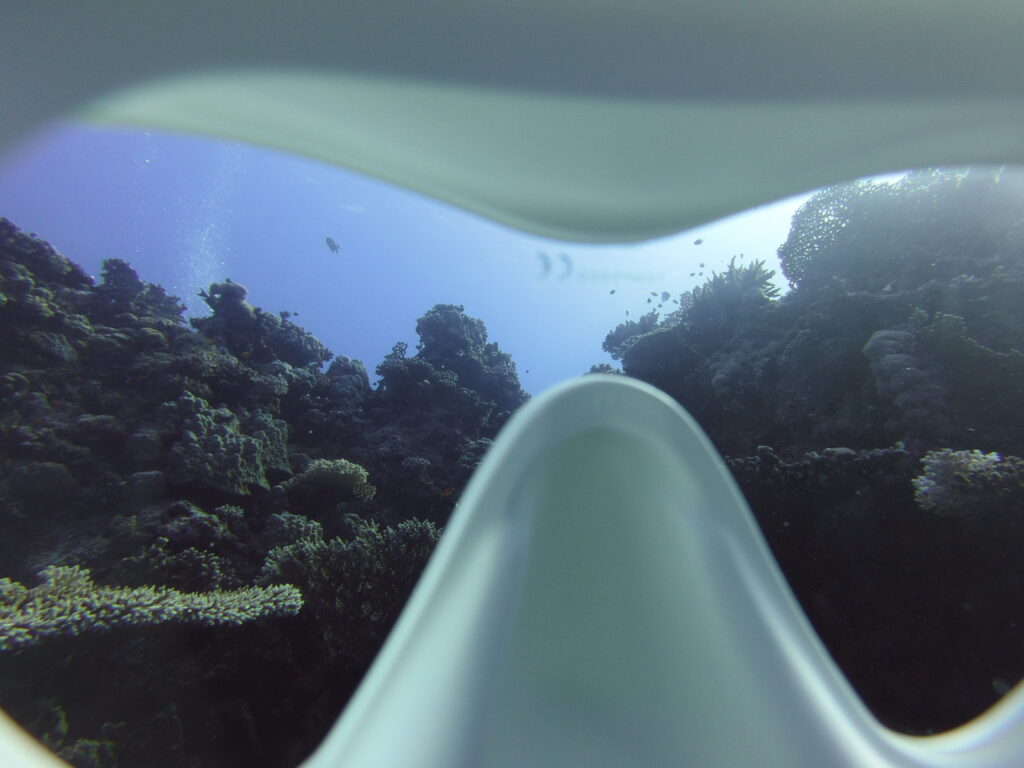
612 291
698 241
664 295
333 245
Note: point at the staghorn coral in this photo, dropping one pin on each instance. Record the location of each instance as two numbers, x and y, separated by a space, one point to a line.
67 603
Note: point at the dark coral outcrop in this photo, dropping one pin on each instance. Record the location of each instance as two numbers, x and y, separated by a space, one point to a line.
900 341
251 334
162 458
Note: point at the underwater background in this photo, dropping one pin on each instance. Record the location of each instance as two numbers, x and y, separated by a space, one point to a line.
233 428
187 211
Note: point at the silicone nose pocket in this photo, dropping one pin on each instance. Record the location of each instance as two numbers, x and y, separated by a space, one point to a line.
603 597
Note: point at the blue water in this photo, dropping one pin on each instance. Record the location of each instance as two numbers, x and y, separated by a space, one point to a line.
186 212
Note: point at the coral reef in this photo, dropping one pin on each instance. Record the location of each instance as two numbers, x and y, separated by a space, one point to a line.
153 470
250 333
969 483
358 584
899 348
882 346
67 603
872 417
212 450
333 475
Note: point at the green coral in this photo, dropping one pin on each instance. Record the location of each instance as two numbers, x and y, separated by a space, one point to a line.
334 475
253 335
219 452
67 603
878 236
355 588
622 337
962 483
122 292
725 295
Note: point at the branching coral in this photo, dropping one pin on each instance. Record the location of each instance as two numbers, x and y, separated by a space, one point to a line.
738 282
725 295
962 483
334 474
356 587
68 603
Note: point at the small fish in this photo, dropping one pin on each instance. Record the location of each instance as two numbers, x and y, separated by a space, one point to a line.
693 274
654 293
611 291
698 241
447 492
627 313
702 265
333 245
648 301
664 295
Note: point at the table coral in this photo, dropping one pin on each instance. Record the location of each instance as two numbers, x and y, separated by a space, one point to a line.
67 602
